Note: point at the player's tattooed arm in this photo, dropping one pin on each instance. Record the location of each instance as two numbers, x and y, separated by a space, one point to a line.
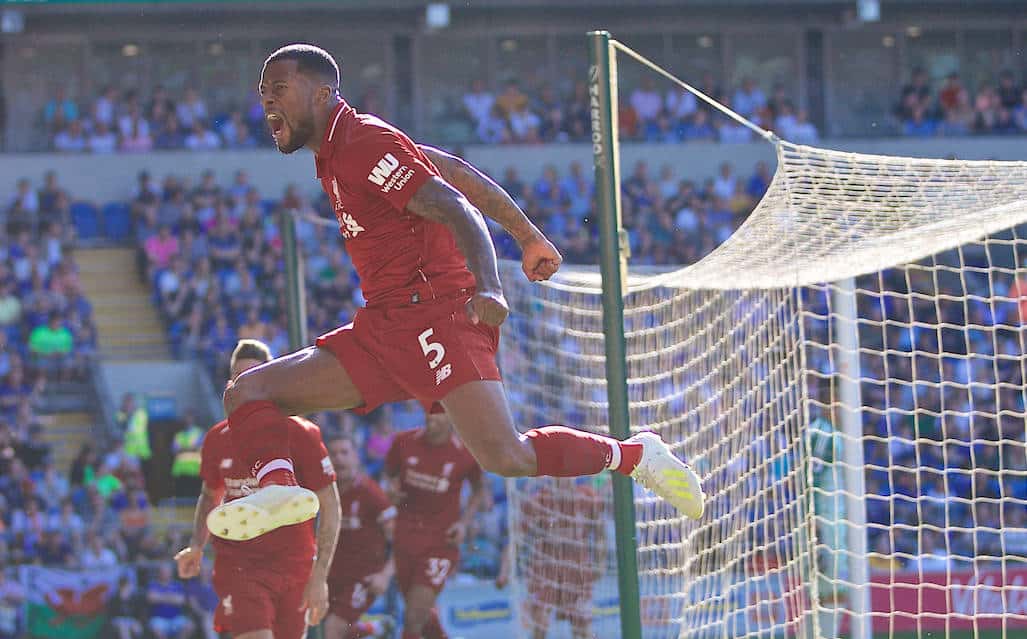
483 192
540 258
439 202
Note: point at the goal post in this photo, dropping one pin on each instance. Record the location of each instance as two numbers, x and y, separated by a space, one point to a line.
613 256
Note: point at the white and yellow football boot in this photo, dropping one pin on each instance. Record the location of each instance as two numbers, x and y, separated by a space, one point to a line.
670 478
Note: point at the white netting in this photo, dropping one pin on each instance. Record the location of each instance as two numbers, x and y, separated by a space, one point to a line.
749 366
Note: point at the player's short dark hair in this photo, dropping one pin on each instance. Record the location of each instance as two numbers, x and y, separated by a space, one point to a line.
251 349
309 59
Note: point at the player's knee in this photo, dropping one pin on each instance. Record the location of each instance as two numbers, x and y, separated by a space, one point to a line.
245 388
509 463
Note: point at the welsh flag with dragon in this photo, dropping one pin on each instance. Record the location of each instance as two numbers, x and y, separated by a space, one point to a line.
68 604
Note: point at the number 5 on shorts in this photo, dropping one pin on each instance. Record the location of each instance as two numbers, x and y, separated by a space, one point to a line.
432 350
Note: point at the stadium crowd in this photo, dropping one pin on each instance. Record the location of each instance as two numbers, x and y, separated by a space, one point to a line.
646 114
45 321
129 122
964 410
126 121
46 327
957 110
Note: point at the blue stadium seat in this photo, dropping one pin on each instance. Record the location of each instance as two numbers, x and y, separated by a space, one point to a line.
86 220
117 221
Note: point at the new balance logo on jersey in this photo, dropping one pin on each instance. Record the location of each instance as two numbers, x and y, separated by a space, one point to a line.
385 175
384 169
443 373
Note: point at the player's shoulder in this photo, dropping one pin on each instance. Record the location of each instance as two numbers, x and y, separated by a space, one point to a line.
365 133
305 426
407 436
369 486
216 434
367 126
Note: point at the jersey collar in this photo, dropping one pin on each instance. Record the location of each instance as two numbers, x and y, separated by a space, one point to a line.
332 132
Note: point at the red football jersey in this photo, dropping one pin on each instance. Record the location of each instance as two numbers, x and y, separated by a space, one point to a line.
361 549
370 170
431 478
219 468
565 525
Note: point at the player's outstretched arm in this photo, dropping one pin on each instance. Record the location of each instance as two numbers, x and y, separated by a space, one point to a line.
188 559
439 202
540 259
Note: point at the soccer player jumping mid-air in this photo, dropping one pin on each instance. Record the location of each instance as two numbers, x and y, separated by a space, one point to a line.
412 218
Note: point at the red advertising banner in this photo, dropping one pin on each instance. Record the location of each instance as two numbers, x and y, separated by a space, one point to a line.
960 599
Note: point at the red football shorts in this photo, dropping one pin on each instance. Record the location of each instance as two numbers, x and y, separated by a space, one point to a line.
429 567
258 598
418 351
566 592
349 598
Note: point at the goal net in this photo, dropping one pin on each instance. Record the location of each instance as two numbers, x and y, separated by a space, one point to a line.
845 372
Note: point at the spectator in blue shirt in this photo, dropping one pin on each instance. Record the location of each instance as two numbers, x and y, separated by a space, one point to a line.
700 128
919 125
759 182
167 602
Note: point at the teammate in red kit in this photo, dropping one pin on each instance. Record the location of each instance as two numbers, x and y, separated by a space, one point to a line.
361 570
566 554
271 586
412 220
427 468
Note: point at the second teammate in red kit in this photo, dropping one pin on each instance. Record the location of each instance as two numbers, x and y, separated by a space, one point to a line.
427 468
270 586
414 228
361 570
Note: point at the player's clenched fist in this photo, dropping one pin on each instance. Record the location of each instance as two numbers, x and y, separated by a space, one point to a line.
488 307
188 560
539 258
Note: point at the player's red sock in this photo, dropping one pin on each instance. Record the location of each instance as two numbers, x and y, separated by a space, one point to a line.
630 455
260 435
565 452
433 627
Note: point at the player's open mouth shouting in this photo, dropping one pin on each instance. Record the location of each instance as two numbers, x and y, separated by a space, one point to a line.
276 122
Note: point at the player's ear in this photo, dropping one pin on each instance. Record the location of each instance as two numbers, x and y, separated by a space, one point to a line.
324 93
